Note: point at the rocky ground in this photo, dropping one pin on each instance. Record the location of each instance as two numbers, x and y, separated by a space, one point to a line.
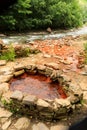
64 54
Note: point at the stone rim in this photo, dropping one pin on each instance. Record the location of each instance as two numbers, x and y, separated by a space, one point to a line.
41 108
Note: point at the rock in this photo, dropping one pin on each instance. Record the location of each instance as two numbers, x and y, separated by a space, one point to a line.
6 96
85 97
42 126
4 87
22 123
18 73
59 127
48 116
18 48
74 87
3 120
48 71
42 103
6 70
2 35
30 42
75 99
53 65
17 95
35 127
66 78
12 127
1 44
83 73
29 99
62 102
3 62
83 84
4 113
41 67
49 30
5 78
6 125
46 56
19 66
85 68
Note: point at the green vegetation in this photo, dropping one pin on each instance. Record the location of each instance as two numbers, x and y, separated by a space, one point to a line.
16 52
83 4
85 49
23 52
10 106
8 54
40 14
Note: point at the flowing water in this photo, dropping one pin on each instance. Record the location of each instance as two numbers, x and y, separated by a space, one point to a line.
26 37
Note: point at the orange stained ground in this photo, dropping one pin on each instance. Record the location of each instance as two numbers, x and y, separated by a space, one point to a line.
65 49
56 47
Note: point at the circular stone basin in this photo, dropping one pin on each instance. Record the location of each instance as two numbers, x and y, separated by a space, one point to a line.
39 85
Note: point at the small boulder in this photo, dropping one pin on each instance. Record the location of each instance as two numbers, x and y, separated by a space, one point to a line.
49 30
22 123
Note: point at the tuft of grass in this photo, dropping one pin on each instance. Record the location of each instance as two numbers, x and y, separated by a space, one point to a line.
85 50
9 54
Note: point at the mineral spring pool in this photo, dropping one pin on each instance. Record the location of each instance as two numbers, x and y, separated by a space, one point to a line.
38 85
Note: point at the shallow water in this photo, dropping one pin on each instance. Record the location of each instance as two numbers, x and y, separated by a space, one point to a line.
38 85
26 37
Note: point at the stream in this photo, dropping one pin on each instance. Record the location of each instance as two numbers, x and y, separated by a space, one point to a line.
28 37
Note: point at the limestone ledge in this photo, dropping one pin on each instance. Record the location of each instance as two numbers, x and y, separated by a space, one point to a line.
30 104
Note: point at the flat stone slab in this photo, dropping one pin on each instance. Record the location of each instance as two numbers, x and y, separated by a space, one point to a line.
5 78
83 84
42 103
29 99
53 65
6 70
62 102
6 125
22 123
59 127
17 95
18 73
3 62
5 113
42 126
4 87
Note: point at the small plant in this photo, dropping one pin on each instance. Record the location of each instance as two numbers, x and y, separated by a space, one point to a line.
10 106
9 54
22 52
26 52
85 50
